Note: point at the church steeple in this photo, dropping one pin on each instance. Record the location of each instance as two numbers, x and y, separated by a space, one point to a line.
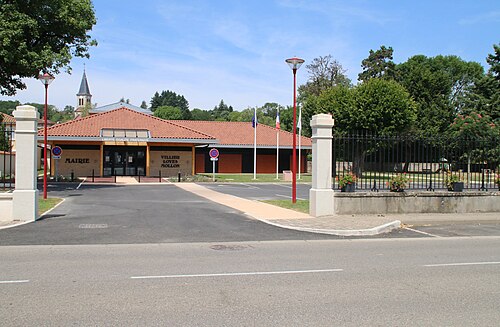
83 96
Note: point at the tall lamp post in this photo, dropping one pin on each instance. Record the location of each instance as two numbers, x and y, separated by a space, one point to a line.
46 79
294 64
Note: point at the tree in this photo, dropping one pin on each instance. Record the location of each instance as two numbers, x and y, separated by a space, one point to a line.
376 106
8 106
168 112
324 73
379 64
484 97
172 99
144 105
199 114
41 35
440 86
493 60
222 111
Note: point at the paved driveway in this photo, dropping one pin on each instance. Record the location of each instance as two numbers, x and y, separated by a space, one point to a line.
110 214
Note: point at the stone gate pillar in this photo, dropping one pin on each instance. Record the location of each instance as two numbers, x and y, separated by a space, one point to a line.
25 195
321 201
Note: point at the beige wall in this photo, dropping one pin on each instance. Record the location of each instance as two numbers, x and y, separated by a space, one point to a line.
171 163
81 162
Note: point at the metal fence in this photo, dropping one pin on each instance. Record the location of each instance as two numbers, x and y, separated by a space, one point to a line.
426 162
7 156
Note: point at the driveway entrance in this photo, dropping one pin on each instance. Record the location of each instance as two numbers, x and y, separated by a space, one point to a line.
114 214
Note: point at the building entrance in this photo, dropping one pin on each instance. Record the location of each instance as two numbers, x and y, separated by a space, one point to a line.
124 161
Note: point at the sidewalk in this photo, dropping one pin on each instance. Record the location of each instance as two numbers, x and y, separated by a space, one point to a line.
335 225
344 225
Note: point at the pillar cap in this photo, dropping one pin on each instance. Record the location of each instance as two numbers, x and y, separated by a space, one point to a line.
322 120
25 112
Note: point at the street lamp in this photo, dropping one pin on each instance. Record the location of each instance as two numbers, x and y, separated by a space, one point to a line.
294 64
46 79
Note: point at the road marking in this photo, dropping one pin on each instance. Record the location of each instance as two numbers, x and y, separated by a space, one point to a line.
464 264
13 281
288 197
81 183
255 273
92 226
285 186
250 186
419 231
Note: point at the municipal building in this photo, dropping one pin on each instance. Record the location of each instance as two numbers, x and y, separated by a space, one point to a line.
124 140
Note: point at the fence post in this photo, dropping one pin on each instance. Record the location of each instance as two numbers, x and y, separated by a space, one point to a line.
321 195
25 196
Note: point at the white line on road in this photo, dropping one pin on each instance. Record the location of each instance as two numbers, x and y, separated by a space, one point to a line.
285 186
464 264
81 183
250 186
419 231
13 281
288 197
242 274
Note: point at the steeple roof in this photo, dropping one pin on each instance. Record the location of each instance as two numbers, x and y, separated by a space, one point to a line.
84 86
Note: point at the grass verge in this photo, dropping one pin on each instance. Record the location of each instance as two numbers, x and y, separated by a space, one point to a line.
248 178
300 205
47 204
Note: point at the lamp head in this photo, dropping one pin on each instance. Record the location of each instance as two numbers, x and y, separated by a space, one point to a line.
294 63
46 78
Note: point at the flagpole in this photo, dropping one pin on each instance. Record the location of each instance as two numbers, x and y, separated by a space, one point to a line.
300 135
255 144
277 144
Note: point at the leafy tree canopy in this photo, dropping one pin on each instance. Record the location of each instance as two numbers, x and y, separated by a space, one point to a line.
8 106
199 114
324 73
168 112
379 64
41 35
222 111
377 106
440 86
172 99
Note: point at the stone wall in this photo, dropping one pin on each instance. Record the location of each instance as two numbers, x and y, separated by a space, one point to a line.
416 202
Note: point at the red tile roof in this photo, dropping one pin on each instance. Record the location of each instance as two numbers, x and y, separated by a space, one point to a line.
7 118
242 133
238 134
124 118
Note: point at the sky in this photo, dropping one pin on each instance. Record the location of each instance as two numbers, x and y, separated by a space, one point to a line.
208 50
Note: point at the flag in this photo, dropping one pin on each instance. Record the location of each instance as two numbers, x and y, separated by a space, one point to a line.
254 119
299 122
278 120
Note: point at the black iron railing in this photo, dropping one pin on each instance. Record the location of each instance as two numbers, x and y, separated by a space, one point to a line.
7 156
426 162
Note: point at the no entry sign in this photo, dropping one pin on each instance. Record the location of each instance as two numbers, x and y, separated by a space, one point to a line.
214 153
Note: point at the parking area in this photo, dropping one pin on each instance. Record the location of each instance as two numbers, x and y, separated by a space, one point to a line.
128 214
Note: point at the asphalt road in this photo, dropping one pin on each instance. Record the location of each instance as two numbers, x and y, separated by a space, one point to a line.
110 214
396 282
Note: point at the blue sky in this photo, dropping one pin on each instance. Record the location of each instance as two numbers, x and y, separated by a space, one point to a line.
235 50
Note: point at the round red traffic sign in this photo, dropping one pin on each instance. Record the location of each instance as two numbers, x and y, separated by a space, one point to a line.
214 153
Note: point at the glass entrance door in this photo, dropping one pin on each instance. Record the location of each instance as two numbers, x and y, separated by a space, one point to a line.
124 161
